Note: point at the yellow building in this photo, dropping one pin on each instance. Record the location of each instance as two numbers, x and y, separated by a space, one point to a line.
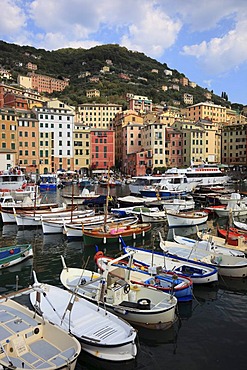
8 125
206 110
201 141
82 150
96 115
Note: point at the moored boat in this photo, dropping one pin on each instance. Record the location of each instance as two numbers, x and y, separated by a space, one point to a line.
101 334
10 256
190 218
111 234
200 273
169 282
32 342
139 305
227 265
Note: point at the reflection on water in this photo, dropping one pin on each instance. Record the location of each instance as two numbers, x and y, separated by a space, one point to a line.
209 331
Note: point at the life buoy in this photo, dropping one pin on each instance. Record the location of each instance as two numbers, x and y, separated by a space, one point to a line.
98 255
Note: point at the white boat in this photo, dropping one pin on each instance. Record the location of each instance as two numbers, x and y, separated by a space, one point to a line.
85 195
75 230
31 219
169 282
190 218
55 225
168 186
227 265
222 242
233 197
161 186
231 209
29 341
12 179
208 245
178 204
102 334
146 214
139 305
200 273
240 225
205 174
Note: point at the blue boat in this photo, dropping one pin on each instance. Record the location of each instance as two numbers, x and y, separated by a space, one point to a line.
48 182
200 273
169 282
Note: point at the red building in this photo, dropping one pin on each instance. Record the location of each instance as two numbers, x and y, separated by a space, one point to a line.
102 149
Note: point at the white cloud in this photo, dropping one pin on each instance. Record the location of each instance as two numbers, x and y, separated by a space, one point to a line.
154 33
220 55
13 18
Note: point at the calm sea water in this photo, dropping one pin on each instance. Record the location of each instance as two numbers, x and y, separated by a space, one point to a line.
211 332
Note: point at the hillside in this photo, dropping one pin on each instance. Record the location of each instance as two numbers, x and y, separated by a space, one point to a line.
71 63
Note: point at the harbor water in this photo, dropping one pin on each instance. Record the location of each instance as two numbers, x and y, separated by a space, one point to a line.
211 332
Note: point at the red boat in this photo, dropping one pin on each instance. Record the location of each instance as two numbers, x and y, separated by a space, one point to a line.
232 235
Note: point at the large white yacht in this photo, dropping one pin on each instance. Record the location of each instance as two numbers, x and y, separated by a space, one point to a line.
205 174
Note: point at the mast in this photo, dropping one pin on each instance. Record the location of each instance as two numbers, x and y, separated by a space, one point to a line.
107 199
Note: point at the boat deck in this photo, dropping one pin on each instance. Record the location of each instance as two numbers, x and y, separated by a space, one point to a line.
20 334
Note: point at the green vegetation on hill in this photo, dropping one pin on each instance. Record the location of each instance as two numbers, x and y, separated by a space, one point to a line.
72 63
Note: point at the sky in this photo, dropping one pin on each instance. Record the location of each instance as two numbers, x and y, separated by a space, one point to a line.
204 39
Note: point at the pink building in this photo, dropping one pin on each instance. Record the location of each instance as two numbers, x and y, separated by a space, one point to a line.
174 141
131 144
137 163
102 149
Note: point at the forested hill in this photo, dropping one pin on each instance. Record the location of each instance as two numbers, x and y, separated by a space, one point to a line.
145 76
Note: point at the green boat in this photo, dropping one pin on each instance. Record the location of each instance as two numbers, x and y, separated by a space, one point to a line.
10 256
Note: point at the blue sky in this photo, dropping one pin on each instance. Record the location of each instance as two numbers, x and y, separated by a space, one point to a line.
206 40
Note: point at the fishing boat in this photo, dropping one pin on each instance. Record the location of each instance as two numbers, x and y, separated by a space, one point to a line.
224 242
233 236
240 224
227 265
208 245
182 219
33 219
146 214
76 230
101 333
29 341
169 282
111 233
139 305
200 273
10 256
55 225
86 197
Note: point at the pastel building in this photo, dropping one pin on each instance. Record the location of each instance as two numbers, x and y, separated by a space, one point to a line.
56 149
102 149
96 115
206 110
28 140
82 146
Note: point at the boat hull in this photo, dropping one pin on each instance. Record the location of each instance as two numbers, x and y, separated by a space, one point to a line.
128 233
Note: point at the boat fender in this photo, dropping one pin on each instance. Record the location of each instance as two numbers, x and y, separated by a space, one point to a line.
11 251
97 255
126 288
134 236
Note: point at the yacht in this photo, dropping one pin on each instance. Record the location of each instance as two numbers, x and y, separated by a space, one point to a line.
12 179
205 174
167 184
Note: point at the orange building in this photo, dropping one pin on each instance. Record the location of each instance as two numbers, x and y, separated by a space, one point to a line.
102 149
28 141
